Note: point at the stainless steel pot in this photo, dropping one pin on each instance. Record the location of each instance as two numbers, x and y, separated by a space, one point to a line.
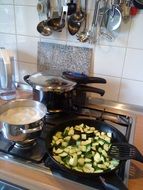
23 133
51 89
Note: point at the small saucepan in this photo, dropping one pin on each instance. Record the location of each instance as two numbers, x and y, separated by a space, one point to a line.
22 120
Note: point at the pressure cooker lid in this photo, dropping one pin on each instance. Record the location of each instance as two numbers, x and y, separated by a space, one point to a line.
50 82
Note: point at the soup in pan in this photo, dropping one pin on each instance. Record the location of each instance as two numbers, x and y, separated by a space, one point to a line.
21 115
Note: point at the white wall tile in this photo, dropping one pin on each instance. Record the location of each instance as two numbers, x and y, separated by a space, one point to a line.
25 69
6 1
25 2
109 60
135 35
131 92
8 41
26 20
111 88
27 49
133 67
7 22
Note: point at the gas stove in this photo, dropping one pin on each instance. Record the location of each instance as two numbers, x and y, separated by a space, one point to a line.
37 158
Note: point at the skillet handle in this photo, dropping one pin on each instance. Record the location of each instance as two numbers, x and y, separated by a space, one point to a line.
113 183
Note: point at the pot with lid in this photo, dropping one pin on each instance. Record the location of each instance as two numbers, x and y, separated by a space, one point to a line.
51 89
60 91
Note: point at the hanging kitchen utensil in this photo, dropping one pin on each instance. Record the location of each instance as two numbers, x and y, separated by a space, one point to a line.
43 27
57 24
71 7
84 35
126 6
75 20
78 16
113 17
138 4
93 32
125 151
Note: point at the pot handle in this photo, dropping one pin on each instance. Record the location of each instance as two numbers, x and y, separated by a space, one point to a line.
27 131
26 77
82 78
90 89
112 183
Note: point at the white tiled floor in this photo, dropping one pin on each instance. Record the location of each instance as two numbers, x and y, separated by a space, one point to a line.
109 60
131 92
133 68
7 21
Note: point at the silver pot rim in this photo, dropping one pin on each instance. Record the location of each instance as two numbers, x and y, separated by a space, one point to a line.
24 103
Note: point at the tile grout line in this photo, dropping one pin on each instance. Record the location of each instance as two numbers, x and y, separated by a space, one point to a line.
126 48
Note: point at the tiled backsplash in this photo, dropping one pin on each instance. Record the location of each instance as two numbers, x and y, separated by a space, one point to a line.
120 61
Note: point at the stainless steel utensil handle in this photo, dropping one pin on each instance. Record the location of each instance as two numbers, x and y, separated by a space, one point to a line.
48 9
78 6
26 131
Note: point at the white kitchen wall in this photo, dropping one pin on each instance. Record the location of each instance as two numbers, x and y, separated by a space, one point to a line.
119 61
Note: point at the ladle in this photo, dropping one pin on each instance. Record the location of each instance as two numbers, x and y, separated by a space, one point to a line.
78 16
43 27
57 24
74 23
114 17
71 7
84 35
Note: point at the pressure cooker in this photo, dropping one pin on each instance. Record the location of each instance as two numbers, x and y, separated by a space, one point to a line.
59 91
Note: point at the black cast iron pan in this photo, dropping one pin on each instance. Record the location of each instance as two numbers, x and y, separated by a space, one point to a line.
117 136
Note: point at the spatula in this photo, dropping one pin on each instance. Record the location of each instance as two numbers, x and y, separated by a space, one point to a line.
125 151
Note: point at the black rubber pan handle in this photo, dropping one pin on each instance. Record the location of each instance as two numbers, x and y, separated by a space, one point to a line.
90 89
113 183
81 78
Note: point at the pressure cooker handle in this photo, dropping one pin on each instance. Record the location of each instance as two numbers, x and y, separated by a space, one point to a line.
81 78
91 89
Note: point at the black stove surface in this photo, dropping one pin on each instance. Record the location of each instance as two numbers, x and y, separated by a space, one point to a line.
38 154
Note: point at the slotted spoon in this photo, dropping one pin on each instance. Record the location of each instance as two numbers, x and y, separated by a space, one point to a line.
125 151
